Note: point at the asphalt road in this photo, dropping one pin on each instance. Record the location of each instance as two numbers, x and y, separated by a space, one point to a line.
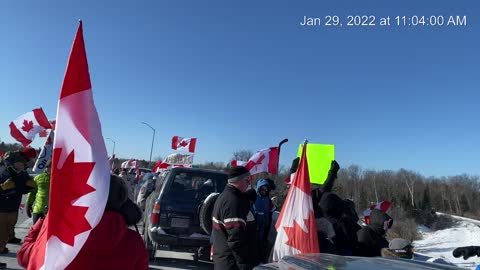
164 259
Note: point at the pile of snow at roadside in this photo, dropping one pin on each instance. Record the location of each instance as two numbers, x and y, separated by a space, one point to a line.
441 243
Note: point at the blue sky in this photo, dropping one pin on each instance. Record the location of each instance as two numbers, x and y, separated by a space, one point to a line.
245 75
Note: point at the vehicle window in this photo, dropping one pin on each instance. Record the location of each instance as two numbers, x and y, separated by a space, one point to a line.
160 180
188 186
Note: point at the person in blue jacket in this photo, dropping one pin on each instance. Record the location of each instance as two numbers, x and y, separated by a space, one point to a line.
263 207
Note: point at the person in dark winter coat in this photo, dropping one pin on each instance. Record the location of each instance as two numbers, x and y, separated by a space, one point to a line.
14 182
262 210
110 245
339 213
326 235
372 237
251 228
327 186
230 240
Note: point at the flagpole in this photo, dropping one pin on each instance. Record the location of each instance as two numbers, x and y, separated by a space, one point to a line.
113 150
279 147
153 139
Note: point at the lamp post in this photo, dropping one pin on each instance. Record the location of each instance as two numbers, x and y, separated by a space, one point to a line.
113 151
153 138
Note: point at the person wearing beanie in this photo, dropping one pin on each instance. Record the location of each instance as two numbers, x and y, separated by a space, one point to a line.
110 245
229 220
14 182
372 238
398 248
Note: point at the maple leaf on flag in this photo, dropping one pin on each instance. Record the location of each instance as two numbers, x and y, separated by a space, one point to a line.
68 184
296 235
27 125
183 143
260 159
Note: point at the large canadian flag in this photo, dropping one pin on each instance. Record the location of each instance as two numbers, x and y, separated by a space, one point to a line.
25 127
296 229
184 144
265 160
80 170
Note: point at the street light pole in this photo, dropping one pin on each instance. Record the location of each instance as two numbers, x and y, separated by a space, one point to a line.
153 139
113 151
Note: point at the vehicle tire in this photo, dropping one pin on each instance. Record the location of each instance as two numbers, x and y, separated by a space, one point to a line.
150 246
206 211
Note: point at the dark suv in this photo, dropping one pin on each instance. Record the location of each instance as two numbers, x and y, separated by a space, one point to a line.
172 212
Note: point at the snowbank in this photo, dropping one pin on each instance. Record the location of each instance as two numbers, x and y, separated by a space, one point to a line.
440 244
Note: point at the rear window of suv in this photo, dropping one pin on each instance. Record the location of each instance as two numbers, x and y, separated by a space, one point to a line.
189 186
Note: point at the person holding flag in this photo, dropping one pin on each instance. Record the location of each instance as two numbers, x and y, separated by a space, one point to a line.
297 231
111 244
80 230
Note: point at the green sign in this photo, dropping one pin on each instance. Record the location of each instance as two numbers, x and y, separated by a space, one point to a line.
319 158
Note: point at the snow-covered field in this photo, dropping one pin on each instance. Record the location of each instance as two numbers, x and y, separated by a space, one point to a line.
440 244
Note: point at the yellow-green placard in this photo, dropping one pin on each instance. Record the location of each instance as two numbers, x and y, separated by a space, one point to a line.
319 158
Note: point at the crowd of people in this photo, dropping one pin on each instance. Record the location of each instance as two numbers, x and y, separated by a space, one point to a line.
241 221
242 218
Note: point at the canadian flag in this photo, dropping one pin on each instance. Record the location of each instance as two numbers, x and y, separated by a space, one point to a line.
265 160
235 163
129 164
45 154
184 144
80 177
160 165
44 132
296 228
383 206
28 125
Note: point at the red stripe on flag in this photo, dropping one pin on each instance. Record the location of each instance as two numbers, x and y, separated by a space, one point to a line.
273 160
41 118
191 145
174 142
77 78
18 135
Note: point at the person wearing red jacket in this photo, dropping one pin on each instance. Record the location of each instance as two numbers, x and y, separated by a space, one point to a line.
111 244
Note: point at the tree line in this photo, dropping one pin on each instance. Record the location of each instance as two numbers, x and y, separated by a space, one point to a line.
406 189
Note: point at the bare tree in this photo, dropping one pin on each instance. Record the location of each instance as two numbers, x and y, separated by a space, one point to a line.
242 155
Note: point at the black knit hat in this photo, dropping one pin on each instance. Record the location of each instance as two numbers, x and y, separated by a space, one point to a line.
118 193
237 173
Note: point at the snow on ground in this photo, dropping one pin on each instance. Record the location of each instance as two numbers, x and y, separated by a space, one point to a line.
441 243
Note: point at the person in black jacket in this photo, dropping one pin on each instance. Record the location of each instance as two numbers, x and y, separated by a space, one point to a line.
14 182
341 214
372 237
327 186
230 240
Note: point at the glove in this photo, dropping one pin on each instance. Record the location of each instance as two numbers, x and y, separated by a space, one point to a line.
7 185
334 167
466 252
29 211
